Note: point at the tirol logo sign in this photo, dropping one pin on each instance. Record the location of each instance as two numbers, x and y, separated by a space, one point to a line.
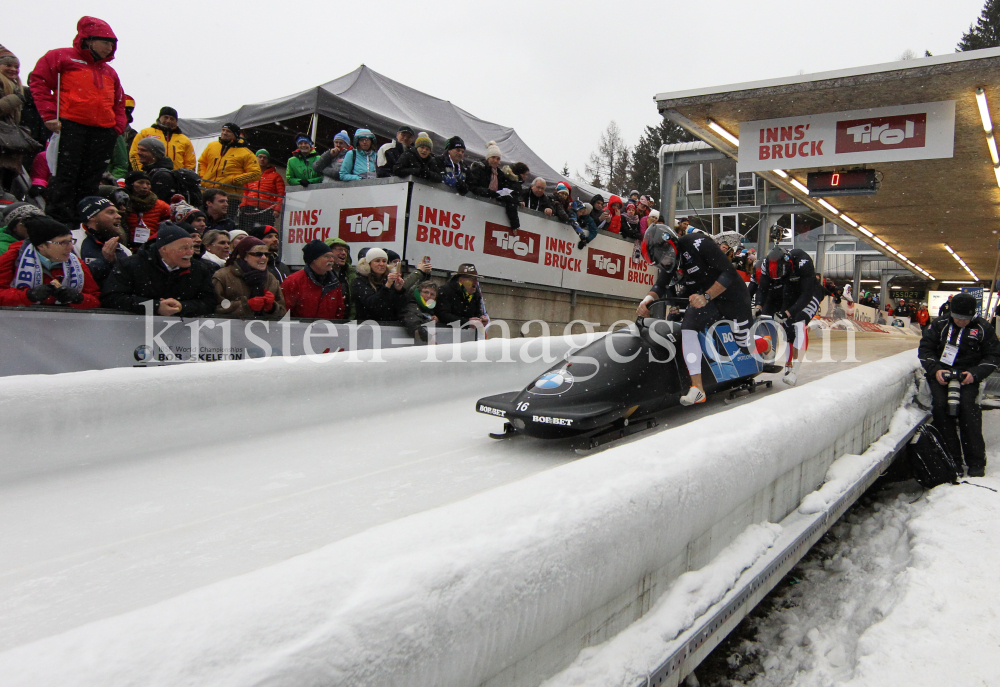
923 131
882 133
523 245
605 264
368 225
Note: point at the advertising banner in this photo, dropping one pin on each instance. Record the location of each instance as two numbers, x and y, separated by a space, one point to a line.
46 342
864 313
362 215
451 229
977 293
831 139
935 299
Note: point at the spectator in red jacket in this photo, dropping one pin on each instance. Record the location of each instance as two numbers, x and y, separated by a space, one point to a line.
145 210
262 199
79 84
315 292
44 270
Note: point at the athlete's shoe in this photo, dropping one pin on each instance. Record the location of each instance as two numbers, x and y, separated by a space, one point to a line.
694 395
789 377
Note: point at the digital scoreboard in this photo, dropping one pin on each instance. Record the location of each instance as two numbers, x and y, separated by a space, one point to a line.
856 182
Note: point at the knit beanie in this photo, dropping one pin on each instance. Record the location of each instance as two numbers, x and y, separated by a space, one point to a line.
375 254
91 205
245 246
303 137
20 213
344 137
133 177
168 233
6 56
42 228
598 198
154 145
492 150
169 111
587 208
180 212
234 127
263 151
424 140
237 233
454 142
562 187
313 250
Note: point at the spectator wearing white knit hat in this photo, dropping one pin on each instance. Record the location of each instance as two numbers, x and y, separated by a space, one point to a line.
489 181
377 291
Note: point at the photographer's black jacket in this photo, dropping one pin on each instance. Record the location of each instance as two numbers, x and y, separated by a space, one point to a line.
978 347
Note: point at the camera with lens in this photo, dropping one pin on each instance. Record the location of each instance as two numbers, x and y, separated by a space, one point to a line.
954 381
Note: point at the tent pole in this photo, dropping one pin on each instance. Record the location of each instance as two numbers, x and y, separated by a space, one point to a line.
313 127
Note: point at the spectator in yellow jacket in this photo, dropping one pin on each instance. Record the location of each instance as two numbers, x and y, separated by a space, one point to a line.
228 161
179 148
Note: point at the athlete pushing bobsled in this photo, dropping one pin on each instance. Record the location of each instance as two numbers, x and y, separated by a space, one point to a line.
694 266
789 293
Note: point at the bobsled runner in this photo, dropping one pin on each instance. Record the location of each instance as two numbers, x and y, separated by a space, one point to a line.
614 385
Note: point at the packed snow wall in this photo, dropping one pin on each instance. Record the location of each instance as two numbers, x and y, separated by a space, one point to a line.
503 588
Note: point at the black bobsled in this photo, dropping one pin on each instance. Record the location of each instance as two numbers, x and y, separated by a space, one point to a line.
626 376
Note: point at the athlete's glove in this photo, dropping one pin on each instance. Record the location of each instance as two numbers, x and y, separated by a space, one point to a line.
781 316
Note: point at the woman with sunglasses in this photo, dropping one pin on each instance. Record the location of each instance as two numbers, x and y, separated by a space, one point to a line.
244 286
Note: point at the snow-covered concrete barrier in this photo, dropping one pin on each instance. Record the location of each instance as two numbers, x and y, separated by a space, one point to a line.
506 587
51 422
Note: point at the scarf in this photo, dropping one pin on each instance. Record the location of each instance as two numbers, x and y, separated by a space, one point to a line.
29 271
494 183
142 204
453 173
256 280
325 287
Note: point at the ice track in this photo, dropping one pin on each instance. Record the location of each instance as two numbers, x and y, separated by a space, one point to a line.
173 478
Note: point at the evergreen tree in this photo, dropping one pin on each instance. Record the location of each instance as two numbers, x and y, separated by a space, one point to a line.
565 170
644 172
985 33
606 161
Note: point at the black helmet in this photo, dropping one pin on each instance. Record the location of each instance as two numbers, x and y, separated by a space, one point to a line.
964 306
777 263
659 246
777 233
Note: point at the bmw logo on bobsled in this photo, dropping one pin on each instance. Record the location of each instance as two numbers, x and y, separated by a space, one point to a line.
626 376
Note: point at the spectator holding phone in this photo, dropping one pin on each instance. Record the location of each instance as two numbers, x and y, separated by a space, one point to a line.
377 291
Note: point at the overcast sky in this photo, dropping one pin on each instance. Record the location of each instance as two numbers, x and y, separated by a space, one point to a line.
556 72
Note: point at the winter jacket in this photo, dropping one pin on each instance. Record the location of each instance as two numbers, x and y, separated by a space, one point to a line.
144 276
266 193
179 147
379 303
411 164
157 212
119 165
90 92
232 165
161 178
11 296
300 168
479 182
455 174
359 164
7 239
277 268
328 164
89 250
307 297
415 315
229 285
978 347
346 275
533 202
387 157
455 305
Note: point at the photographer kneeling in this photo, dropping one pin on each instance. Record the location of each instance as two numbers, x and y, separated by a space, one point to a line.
964 346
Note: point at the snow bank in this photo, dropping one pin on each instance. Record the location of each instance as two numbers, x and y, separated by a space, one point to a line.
456 595
166 409
945 630
628 657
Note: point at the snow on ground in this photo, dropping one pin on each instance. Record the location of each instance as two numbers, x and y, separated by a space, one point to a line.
449 595
904 590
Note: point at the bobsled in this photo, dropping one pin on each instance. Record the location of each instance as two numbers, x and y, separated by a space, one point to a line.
626 377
